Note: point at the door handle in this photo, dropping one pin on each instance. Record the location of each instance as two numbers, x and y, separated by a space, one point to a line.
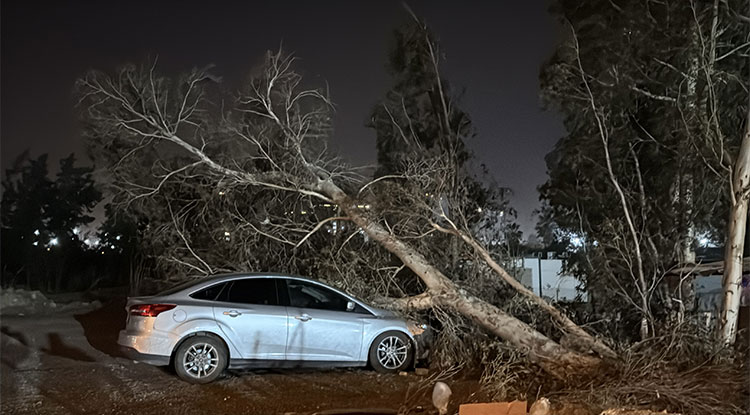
304 317
233 313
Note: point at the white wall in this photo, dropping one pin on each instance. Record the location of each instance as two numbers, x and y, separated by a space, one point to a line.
554 284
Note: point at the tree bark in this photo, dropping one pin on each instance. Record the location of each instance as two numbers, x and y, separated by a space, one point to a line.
735 243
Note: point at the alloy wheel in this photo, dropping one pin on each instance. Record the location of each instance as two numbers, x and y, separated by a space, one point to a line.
392 352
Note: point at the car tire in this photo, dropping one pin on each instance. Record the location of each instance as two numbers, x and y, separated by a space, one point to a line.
391 352
200 359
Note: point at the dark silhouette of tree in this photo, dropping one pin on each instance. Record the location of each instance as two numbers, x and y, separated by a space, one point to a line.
420 121
419 115
41 219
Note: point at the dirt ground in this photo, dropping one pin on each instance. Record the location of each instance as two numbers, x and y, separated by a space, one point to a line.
67 363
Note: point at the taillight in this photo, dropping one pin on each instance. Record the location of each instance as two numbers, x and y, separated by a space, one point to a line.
150 310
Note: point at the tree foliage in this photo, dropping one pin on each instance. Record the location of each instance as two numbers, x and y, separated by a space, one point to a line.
659 91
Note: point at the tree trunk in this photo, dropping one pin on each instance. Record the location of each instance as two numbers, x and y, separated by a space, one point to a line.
554 358
735 243
551 356
577 335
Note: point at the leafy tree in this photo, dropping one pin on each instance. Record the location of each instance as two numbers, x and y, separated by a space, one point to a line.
654 99
41 218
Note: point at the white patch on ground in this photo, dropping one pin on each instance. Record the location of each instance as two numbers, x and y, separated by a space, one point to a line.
20 300
17 301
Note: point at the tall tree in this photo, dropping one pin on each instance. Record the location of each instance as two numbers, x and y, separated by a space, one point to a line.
735 241
419 115
419 121
653 96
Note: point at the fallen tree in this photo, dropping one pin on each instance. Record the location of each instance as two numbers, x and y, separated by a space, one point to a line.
274 140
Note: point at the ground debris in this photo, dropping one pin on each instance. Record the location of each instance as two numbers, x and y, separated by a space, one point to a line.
540 407
492 408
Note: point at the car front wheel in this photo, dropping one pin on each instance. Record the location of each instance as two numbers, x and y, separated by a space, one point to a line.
391 352
200 359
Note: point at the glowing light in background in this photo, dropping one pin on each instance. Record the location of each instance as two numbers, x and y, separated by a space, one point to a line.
576 241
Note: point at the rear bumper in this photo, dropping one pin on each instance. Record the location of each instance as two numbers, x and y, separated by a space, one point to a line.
151 348
151 359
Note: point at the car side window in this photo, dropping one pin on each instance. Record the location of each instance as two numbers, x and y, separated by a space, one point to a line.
261 291
209 293
307 295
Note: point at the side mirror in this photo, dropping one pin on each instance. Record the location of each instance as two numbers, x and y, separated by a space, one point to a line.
350 306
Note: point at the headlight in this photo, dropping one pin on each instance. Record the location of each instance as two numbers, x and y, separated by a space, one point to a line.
416 328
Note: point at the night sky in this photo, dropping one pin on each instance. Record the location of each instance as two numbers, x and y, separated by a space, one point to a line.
493 49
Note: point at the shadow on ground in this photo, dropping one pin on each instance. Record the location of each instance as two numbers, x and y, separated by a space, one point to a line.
17 335
14 347
58 348
102 326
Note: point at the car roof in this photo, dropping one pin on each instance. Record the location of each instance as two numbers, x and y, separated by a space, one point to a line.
206 281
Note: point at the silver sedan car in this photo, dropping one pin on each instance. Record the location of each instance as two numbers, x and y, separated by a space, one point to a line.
262 320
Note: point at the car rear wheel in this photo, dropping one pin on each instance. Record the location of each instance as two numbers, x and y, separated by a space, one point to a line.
200 359
391 352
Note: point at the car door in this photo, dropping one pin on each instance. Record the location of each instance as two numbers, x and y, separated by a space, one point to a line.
320 327
250 314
